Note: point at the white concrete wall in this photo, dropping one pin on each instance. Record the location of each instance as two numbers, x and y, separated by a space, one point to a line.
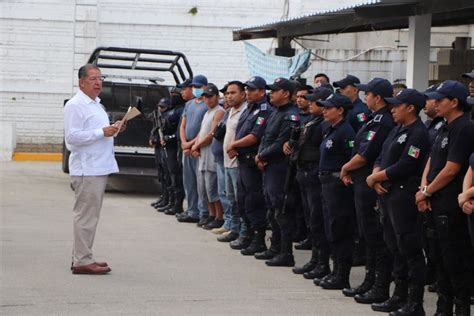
43 44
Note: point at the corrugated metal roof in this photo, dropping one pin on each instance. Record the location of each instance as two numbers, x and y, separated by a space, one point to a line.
315 13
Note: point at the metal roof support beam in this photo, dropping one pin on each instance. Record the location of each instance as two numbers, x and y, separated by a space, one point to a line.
418 58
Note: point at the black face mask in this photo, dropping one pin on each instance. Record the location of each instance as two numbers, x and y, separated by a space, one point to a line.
176 100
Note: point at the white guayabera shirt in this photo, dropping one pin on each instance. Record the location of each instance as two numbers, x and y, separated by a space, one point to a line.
92 154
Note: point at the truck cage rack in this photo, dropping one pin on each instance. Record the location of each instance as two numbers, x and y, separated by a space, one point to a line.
132 59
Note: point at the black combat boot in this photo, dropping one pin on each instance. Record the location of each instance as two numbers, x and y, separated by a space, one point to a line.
396 301
158 201
275 247
163 200
310 265
284 258
242 242
369 278
304 245
177 206
331 275
378 293
341 279
171 201
257 245
322 266
462 307
414 305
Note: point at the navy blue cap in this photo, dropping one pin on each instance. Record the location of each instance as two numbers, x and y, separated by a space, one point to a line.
210 90
199 81
281 84
224 88
336 100
469 75
164 103
378 86
326 85
410 96
256 82
349 80
450 89
185 84
318 94
431 88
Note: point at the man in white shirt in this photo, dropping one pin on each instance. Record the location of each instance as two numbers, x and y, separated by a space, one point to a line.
89 137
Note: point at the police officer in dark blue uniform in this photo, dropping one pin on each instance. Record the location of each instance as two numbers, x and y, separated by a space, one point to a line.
440 185
305 155
155 141
434 123
337 199
172 110
249 131
358 115
367 147
272 161
396 175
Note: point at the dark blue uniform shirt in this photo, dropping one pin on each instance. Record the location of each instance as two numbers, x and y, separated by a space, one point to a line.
434 126
404 151
307 149
277 132
471 163
304 117
358 115
455 143
369 139
336 147
253 120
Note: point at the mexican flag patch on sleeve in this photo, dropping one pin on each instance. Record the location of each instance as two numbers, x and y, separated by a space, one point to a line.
350 144
361 117
260 120
294 118
370 135
414 152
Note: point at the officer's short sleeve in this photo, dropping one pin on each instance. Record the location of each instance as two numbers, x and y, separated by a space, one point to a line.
461 143
259 123
371 145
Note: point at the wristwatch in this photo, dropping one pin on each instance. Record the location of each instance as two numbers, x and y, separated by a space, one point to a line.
425 192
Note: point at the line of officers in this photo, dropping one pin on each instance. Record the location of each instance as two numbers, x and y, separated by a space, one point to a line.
370 170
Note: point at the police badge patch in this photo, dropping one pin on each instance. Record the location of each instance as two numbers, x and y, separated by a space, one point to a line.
329 144
402 139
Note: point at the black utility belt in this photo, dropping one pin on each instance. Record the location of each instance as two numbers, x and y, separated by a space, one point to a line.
305 165
327 174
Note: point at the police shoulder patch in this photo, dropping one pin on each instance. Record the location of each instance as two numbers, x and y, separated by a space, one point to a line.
263 106
293 118
414 152
370 135
260 120
378 118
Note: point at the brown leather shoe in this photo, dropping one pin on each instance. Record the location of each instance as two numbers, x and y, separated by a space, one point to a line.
100 264
92 268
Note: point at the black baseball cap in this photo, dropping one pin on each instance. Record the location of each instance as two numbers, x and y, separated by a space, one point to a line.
431 88
224 88
164 103
211 90
318 94
410 96
256 82
185 84
336 100
349 80
378 86
450 89
281 84
469 75
327 85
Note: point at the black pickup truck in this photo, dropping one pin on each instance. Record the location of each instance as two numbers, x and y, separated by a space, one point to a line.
135 77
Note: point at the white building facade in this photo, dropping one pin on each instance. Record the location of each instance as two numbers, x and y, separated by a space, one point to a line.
43 44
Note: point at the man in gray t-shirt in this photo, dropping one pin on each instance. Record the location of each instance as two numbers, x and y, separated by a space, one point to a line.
193 114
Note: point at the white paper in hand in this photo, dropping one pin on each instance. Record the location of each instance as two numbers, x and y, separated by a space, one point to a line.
131 113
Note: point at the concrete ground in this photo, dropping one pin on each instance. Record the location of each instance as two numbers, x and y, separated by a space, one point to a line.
160 266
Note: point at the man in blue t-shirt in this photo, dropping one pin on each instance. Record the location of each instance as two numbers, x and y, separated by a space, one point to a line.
193 114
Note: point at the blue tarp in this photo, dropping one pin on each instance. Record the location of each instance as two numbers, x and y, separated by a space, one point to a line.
271 67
